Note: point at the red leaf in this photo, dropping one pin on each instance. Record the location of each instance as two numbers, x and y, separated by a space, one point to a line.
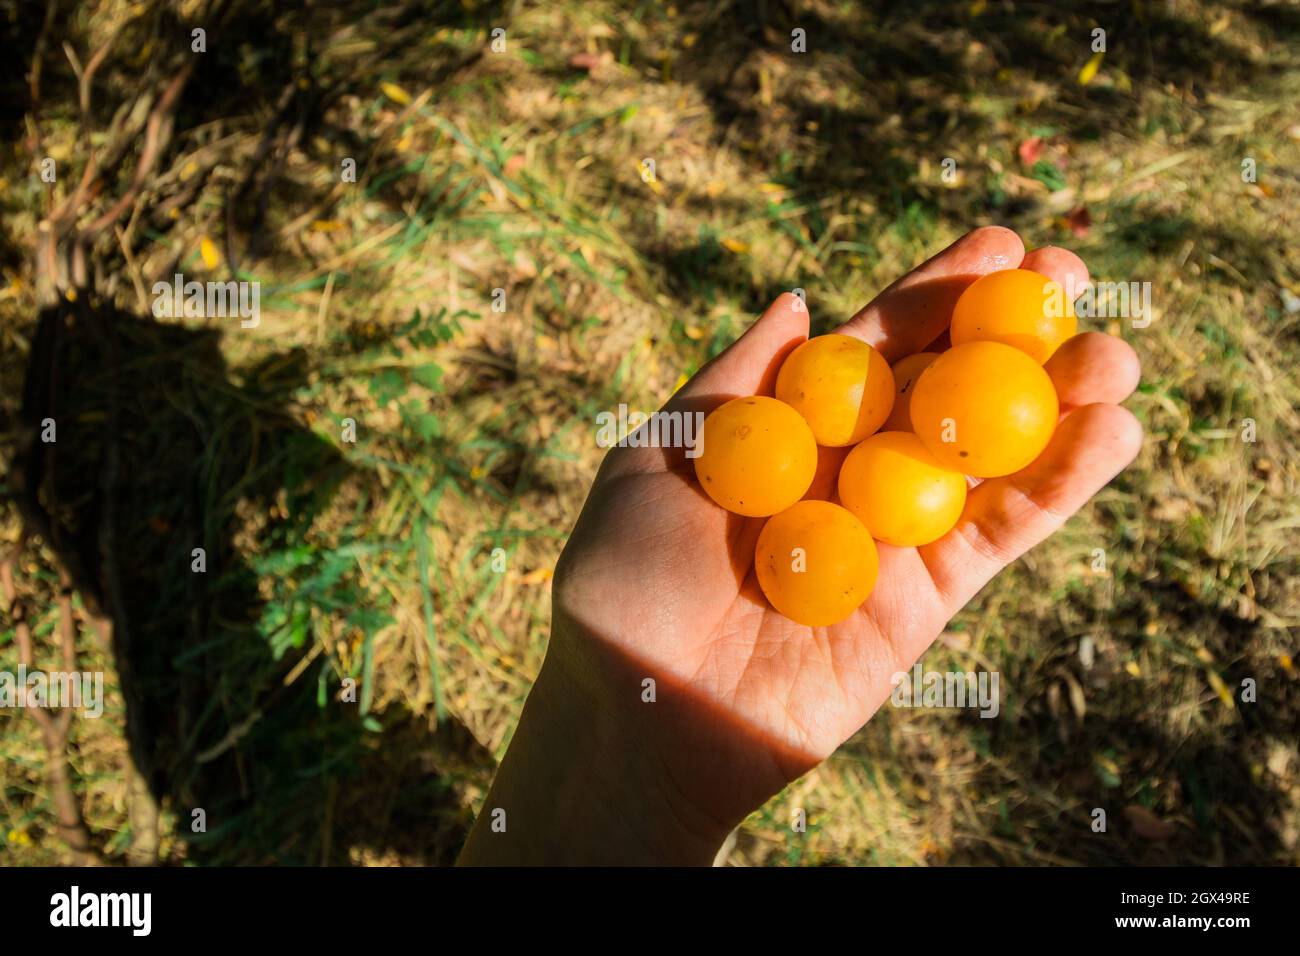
1031 150
1079 220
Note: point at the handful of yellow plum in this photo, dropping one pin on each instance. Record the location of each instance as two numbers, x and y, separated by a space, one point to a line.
983 408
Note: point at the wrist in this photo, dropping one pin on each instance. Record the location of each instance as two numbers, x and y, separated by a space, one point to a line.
579 785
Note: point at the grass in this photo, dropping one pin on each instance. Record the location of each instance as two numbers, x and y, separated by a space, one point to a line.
416 559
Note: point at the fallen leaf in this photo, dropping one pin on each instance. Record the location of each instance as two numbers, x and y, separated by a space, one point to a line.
537 576
591 62
1090 68
1030 150
208 252
735 245
1079 221
1078 700
396 93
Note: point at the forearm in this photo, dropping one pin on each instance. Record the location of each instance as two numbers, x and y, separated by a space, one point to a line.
577 788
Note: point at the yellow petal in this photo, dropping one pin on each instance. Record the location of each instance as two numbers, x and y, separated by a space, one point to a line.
1090 68
395 93
1133 669
208 251
326 225
735 245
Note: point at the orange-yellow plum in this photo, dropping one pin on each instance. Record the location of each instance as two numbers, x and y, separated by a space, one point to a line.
757 456
815 562
1016 307
984 408
829 461
906 372
841 385
899 491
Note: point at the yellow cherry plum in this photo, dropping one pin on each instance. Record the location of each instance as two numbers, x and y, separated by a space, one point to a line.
757 456
906 372
899 491
1017 307
816 563
841 385
984 409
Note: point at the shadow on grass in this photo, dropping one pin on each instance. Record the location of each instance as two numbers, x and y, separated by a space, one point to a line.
161 449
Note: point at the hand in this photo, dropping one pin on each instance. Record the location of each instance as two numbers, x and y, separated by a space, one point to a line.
657 583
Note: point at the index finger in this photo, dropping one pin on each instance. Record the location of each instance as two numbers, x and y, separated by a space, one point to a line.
913 311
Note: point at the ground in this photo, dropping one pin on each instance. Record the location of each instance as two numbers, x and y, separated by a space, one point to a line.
579 218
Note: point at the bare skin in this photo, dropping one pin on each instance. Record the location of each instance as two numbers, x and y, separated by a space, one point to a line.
656 584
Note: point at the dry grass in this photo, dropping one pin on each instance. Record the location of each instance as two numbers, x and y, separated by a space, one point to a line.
520 171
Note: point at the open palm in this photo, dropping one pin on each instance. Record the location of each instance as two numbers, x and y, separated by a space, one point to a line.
657 580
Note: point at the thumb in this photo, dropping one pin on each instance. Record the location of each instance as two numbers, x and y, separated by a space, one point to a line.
749 365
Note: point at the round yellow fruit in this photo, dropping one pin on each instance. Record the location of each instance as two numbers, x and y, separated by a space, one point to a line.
1016 307
841 385
816 563
758 456
906 372
829 461
984 409
899 491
